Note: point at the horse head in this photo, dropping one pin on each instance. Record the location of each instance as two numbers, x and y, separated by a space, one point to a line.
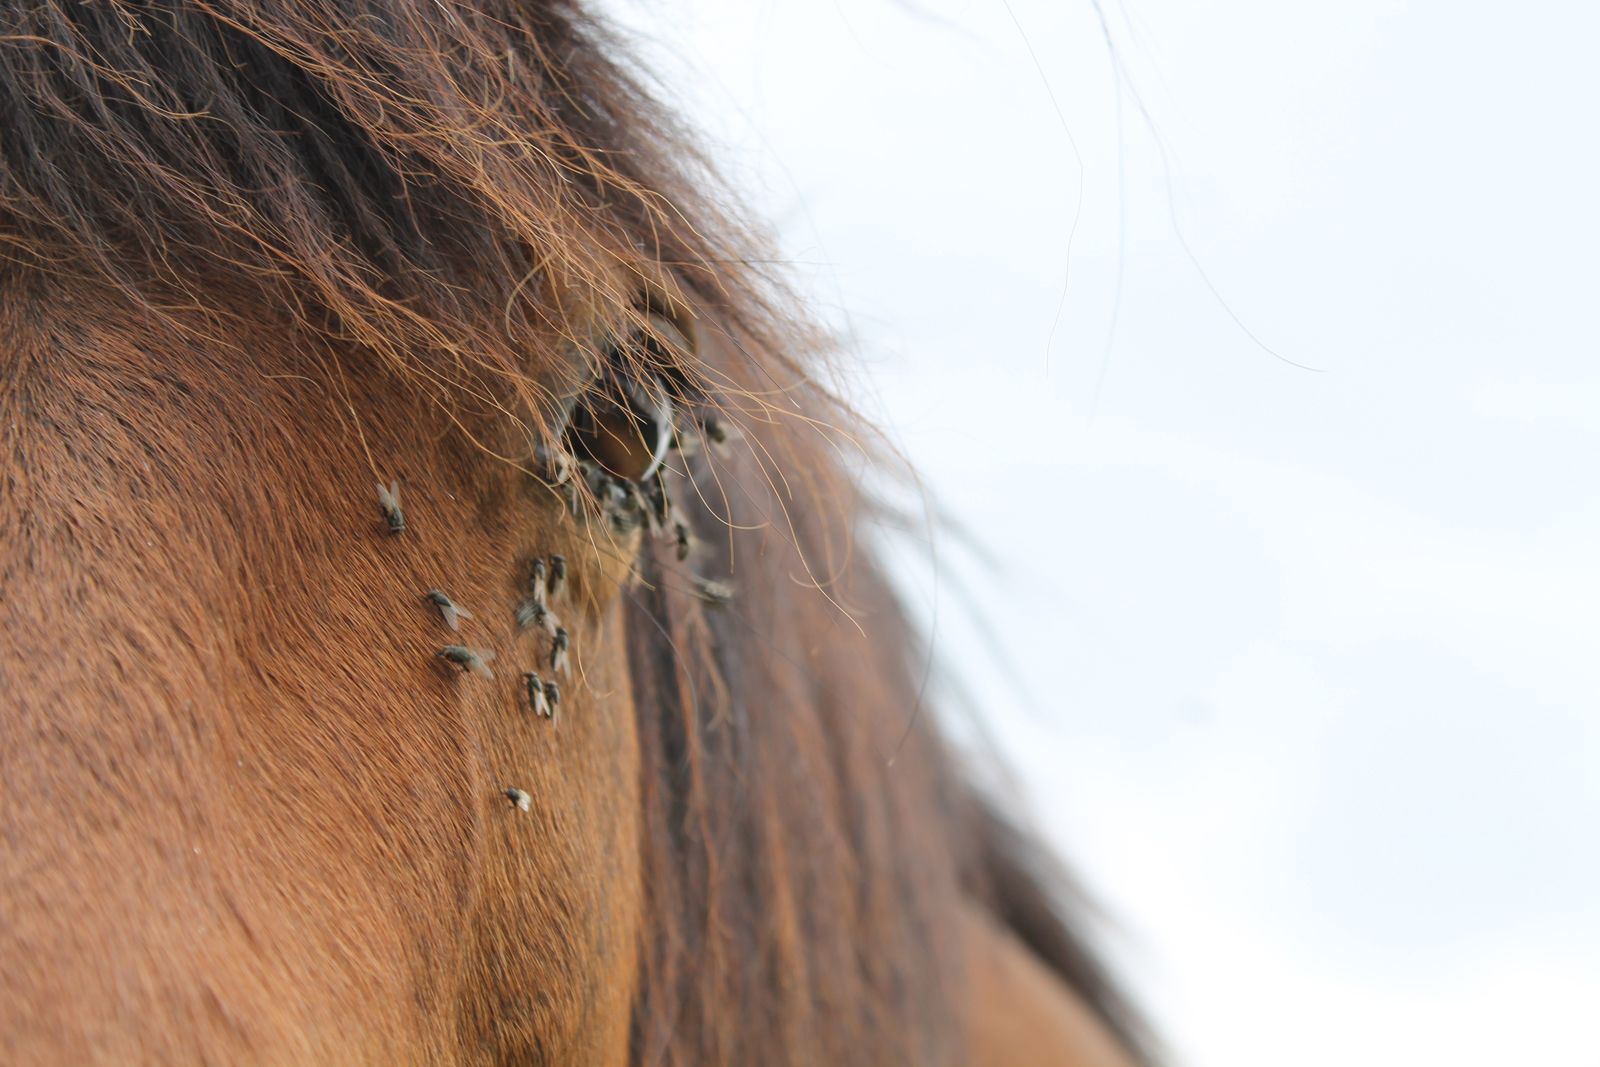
435 630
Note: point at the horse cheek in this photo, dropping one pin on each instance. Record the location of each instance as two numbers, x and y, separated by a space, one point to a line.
556 954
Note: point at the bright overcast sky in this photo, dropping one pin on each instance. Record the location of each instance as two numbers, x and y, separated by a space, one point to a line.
1299 666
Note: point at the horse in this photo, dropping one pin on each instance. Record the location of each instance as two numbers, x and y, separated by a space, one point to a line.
436 626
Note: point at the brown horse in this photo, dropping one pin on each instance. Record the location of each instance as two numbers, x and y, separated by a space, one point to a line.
591 736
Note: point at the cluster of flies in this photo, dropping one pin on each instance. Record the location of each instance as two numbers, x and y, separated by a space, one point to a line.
627 503
547 587
613 452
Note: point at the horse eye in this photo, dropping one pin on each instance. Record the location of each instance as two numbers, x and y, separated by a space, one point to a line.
624 423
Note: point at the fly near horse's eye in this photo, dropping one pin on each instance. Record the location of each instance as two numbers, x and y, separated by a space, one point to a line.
717 432
558 578
620 502
389 501
536 698
537 582
554 463
533 614
448 608
616 495
475 660
657 505
558 650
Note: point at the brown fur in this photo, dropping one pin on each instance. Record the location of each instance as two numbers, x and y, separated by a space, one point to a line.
263 255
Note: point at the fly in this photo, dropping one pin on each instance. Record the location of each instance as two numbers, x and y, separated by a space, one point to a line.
537 582
475 660
558 650
532 614
536 699
558 578
451 611
389 501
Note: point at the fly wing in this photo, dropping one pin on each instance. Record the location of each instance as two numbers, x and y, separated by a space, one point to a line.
479 664
448 608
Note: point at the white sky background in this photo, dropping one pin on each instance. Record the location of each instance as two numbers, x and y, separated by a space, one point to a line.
1300 666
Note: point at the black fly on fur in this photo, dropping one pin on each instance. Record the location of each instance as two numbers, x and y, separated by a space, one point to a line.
475 660
448 608
558 578
654 495
556 464
559 646
718 433
519 800
647 502
552 693
389 501
534 614
536 691
536 582
621 504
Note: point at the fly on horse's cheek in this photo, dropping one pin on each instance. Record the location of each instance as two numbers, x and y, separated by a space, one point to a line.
550 948
555 768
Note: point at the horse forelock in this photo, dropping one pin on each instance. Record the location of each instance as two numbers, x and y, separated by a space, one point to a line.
258 251
461 188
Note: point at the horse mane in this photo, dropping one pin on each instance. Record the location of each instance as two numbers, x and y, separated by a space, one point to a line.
460 190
